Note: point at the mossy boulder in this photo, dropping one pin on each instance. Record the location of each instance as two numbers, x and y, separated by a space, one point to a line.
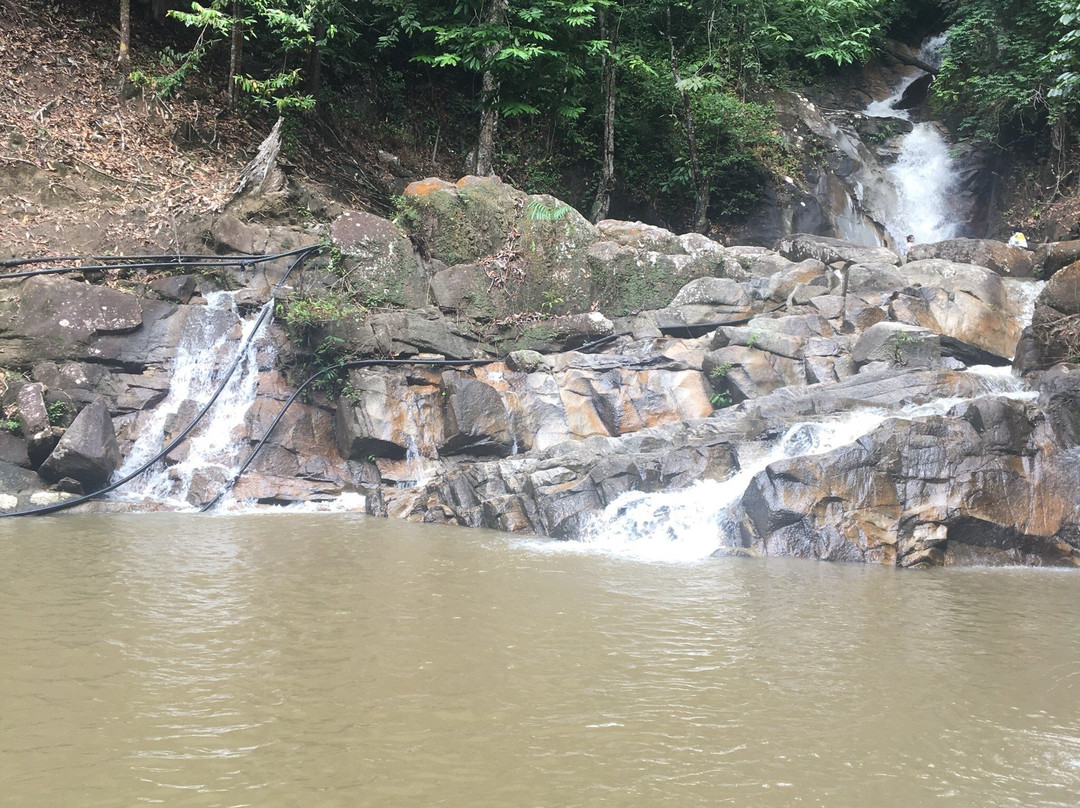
378 260
530 250
536 254
462 222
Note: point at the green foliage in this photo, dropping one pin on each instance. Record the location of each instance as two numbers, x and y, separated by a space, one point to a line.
56 410
551 300
176 67
536 50
287 30
13 425
739 143
999 70
721 371
278 91
898 344
327 356
721 399
304 313
539 212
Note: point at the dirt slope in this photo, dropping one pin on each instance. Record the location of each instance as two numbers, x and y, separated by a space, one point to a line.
86 170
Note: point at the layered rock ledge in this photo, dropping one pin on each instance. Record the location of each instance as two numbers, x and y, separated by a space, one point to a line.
589 363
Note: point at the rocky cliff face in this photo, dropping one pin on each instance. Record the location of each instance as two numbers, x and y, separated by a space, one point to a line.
562 367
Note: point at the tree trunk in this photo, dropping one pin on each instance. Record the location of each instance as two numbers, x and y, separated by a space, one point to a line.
607 160
700 182
489 116
124 59
313 68
489 93
236 53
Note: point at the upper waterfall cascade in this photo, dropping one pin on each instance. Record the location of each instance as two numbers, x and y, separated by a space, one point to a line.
878 193
924 174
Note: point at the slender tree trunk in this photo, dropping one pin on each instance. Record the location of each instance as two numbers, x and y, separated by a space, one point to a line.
489 118
489 93
124 59
697 177
607 159
236 53
313 68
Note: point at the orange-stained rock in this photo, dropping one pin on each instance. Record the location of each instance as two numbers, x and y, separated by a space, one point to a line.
429 185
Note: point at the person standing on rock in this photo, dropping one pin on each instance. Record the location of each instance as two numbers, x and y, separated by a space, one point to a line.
1018 240
909 242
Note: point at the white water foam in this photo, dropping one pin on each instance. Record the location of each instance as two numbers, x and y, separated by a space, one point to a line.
689 525
202 357
925 174
347 502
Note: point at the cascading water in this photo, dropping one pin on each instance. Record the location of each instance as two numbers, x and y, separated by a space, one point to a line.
689 525
924 174
205 352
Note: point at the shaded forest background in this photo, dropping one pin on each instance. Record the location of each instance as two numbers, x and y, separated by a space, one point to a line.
636 109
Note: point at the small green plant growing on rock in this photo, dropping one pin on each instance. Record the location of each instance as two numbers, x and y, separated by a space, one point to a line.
304 312
721 398
12 425
551 300
56 410
539 212
328 355
896 346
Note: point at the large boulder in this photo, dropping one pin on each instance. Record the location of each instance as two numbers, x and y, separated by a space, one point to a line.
898 344
50 317
1055 326
1011 262
88 451
628 279
963 301
386 416
477 420
403 333
379 261
801 246
460 223
531 249
978 486
1053 255
1062 291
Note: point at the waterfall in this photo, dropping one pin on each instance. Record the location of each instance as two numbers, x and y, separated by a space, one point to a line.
691 524
924 174
205 352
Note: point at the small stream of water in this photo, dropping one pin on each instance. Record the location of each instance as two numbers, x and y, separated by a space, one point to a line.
208 348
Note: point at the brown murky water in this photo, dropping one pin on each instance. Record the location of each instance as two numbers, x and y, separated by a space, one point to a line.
330 660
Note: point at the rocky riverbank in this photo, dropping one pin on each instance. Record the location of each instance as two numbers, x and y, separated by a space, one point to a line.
618 358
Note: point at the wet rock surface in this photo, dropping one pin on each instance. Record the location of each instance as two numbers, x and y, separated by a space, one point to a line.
587 363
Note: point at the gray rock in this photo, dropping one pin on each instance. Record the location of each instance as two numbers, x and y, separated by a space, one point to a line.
999 258
801 246
379 260
49 317
88 451
477 418
32 412
898 344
